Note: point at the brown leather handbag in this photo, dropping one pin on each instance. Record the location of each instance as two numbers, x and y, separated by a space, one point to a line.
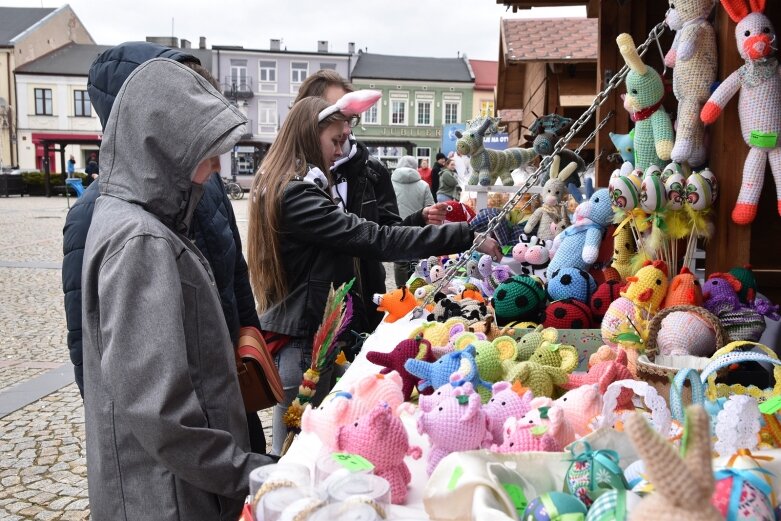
259 380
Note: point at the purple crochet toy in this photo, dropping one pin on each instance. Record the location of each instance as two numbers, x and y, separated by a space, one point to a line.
505 403
413 348
457 424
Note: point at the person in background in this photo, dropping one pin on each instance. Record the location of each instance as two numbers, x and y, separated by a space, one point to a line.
449 189
425 173
165 425
92 169
438 166
71 167
412 195
213 228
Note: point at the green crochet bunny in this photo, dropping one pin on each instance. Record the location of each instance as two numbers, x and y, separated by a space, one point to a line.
644 96
547 369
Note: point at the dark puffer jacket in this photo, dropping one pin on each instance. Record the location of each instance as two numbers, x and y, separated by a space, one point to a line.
219 243
371 196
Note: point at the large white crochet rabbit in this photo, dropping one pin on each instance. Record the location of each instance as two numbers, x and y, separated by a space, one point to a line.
759 82
693 59
683 485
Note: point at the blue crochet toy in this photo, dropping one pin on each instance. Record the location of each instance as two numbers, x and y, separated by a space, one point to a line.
437 374
571 283
578 245
625 144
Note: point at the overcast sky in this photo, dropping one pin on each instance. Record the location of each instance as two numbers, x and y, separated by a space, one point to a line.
439 28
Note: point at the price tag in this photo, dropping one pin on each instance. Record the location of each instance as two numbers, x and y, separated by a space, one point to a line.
516 496
457 473
771 406
352 462
763 139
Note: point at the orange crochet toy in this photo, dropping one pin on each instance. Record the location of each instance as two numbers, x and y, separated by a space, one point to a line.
397 303
684 290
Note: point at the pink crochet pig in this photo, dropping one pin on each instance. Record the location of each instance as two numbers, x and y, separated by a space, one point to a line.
380 437
518 436
553 417
428 402
603 374
580 406
377 388
325 420
458 423
505 403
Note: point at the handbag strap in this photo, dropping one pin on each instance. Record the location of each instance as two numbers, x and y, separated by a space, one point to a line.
676 392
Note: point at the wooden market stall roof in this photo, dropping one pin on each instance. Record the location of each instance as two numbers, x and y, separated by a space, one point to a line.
540 40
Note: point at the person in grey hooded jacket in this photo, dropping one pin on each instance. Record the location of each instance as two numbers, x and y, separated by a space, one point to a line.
412 195
165 425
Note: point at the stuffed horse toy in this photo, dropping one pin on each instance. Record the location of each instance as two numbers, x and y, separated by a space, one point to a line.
488 165
759 82
643 101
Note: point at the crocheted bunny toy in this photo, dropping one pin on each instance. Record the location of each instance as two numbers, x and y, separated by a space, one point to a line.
580 406
505 403
436 374
683 484
759 82
519 436
544 144
397 303
578 245
488 165
413 348
693 59
545 218
457 424
643 101
377 388
381 438
602 374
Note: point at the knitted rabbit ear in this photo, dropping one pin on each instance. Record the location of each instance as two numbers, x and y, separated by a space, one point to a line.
568 170
352 103
736 9
758 6
554 166
697 454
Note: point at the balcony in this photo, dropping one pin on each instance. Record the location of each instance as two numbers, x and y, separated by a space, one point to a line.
235 88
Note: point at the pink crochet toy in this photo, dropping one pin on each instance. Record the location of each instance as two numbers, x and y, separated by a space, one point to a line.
519 436
505 403
458 423
603 374
377 388
759 82
326 420
547 413
580 406
380 437
417 348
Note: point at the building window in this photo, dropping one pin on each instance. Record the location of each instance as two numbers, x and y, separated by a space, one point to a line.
424 113
43 102
398 112
423 153
331 66
371 116
452 112
298 72
81 104
268 71
239 72
267 117
487 109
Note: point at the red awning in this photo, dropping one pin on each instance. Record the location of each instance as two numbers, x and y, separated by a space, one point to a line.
74 139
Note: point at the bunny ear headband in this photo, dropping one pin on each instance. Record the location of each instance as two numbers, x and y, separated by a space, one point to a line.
352 104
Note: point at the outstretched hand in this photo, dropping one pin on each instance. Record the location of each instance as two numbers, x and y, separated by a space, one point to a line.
491 247
435 214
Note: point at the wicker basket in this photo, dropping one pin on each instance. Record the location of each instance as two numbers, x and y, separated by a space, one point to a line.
651 370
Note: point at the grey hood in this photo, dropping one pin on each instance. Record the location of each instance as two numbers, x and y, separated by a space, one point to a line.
166 119
405 175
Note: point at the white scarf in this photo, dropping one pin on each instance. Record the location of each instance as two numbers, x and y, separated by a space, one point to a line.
338 192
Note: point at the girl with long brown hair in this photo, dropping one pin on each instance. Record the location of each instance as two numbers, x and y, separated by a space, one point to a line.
301 240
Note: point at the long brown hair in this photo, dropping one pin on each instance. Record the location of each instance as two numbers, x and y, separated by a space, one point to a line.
296 146
317 83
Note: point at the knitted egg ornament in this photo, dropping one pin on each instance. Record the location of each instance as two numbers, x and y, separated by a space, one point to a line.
710 177
613 505
568 314
571 283
518 298
554 506
653 196
623 193
675 186
742 495
593 472
698 192
605 294
686 333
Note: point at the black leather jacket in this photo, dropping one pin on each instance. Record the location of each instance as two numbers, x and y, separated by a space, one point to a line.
370 195
318 243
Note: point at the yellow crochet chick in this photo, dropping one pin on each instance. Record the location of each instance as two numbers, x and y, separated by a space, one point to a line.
648 287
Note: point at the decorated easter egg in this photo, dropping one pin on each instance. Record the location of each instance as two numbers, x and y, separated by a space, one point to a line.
623 193
672 168
553 506
675 186
686 333
613 505
636 176
652 170
714 183
616 318
592 472
751 502
698 193
653 196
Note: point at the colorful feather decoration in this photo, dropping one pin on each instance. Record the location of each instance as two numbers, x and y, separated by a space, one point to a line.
325 349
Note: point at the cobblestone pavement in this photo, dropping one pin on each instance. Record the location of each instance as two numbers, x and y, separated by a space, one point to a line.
43 471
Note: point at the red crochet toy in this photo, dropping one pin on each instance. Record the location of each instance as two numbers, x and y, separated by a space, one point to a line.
417 348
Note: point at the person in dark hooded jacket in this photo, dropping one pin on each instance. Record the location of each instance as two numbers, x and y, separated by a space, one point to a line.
214 225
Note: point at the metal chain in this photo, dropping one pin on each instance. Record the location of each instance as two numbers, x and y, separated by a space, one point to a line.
584 118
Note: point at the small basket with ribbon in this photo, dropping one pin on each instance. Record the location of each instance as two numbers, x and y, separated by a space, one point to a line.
593 472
